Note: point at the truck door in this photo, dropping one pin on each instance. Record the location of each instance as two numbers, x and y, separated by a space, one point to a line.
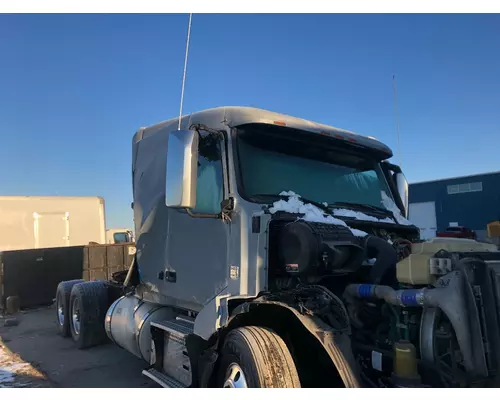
51 229
197 243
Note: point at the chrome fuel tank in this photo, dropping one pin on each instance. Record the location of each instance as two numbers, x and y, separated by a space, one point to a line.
128 324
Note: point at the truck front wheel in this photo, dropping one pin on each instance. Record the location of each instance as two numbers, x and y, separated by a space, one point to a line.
255 357
88 306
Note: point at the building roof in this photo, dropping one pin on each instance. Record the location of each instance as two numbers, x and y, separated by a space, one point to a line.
219 117
456 178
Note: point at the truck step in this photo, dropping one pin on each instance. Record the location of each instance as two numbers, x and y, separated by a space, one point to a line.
162 379
185 318
176 327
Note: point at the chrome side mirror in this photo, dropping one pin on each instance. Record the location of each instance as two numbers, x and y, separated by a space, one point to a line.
402 186
182 169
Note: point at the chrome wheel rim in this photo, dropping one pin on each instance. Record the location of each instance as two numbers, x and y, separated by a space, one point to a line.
235 378
75 316
60 313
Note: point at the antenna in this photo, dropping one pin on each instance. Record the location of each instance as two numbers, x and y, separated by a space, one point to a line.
397 118
185 69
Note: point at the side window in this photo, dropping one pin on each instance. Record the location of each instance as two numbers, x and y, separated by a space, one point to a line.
209 186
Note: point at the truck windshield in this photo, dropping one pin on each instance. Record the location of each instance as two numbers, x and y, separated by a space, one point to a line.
269 165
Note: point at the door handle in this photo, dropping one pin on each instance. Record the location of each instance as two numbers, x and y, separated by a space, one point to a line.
171 276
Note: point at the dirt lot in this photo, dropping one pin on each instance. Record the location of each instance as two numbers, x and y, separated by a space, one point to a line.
33 355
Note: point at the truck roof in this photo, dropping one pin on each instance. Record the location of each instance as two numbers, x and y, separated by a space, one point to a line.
220 117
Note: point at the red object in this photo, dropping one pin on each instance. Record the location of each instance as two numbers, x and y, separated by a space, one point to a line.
458 232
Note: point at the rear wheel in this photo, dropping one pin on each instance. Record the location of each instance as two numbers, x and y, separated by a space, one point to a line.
255 357
62 305
88 305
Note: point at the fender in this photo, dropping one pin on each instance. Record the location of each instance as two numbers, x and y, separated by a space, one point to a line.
334 340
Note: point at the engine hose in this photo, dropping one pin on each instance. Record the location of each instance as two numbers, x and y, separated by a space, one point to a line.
387 258
450 299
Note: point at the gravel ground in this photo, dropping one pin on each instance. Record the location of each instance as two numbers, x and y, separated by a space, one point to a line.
32 354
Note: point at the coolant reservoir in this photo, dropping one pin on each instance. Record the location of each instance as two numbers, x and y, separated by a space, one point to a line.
405 373
421 268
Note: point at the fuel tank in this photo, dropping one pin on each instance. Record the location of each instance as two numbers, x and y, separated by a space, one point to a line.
128 324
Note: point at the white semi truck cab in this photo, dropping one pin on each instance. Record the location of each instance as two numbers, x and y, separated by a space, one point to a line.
119 235
275 252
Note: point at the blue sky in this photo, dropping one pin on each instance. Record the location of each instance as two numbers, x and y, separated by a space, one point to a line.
74 88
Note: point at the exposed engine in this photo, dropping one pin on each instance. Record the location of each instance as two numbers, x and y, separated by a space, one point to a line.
420 313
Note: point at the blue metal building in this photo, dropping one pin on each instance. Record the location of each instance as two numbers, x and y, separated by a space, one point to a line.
472 201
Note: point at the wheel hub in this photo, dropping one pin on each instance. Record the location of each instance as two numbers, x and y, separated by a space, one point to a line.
60 313
235 378
75 317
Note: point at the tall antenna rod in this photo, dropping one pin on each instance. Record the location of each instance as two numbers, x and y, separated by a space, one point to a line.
397 119
185 69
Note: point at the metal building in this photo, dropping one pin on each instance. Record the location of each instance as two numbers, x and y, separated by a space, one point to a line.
472 201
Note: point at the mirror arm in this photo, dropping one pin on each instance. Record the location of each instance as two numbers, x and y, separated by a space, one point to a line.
393 167
386 168
227 209
202 215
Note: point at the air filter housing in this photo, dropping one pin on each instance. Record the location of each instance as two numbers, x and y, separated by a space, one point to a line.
311 248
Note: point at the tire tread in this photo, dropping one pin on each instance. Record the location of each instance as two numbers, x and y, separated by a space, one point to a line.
265 355
93 307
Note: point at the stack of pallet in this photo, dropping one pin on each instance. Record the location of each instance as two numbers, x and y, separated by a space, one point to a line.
102 261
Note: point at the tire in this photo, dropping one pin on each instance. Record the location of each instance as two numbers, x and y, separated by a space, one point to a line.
88 306
63 293
256 357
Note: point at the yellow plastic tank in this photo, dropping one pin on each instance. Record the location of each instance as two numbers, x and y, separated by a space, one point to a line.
417 269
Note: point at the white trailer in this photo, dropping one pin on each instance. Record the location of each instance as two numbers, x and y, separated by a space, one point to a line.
29 222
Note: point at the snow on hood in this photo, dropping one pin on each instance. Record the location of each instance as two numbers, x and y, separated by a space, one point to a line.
391 206
311 213
294 200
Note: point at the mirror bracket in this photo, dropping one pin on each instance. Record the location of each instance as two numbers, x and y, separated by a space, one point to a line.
397 182
227 207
